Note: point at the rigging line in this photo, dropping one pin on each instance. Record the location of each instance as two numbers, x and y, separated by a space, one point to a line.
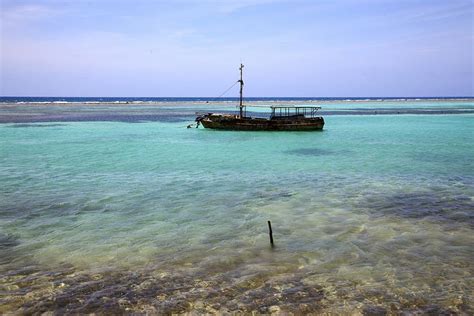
228 89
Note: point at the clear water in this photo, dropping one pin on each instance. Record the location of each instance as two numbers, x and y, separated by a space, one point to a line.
375 214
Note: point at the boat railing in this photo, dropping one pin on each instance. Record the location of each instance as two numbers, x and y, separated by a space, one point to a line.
293 111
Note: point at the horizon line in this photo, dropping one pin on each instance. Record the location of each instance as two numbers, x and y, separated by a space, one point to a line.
256 97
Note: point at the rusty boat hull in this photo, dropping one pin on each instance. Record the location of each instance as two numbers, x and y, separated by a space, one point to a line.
235 123
282 117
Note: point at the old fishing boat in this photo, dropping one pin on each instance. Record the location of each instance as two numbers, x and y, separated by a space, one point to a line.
282 118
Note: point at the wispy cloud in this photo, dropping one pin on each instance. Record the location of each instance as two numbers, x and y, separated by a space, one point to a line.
27 12
232 6
441 12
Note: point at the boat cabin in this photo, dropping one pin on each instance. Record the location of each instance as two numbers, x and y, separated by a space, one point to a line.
288 111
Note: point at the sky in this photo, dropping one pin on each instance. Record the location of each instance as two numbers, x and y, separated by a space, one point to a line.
186 48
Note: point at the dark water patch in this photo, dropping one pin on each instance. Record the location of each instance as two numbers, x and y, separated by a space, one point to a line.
29 209
396 112
262 197
310 152
374 310
80 113
273 196
413 108
442 207
8 241
8 250
35 125
125 118
96 114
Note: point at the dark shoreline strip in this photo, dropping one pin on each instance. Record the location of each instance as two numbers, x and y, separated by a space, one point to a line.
165 117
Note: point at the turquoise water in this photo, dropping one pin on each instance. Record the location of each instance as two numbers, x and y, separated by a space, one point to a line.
374 214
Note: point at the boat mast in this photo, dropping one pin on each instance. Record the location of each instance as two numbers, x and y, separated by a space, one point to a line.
241 88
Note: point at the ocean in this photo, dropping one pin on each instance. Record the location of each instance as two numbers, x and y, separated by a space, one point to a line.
112 205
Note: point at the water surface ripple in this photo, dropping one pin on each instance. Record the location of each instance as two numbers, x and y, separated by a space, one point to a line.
374 215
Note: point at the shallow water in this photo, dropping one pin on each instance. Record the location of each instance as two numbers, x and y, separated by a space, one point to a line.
372 215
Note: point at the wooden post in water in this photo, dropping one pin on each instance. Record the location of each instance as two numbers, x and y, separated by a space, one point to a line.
270 232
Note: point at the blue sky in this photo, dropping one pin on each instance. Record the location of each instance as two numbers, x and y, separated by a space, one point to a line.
193 48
